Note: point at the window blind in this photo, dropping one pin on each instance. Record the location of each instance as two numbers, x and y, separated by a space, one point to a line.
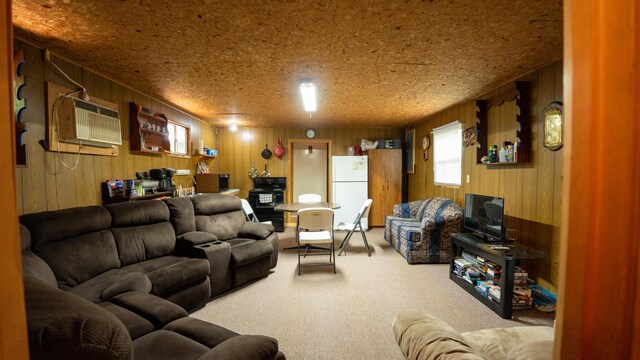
447 154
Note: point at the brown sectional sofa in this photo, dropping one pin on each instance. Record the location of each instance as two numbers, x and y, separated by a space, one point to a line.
134 262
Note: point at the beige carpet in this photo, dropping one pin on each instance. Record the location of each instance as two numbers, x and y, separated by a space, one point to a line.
348 315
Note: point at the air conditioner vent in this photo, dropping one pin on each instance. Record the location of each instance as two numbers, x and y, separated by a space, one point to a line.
89 123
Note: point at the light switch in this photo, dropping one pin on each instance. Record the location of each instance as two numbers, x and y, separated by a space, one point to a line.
468 177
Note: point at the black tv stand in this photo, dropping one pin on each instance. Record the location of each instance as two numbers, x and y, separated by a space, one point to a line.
479 237
506 257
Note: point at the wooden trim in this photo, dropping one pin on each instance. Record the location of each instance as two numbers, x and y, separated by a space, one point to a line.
599 287
13 327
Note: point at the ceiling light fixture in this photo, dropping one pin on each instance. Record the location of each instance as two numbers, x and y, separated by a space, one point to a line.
308 91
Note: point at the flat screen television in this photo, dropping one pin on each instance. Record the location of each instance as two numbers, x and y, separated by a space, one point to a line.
484 216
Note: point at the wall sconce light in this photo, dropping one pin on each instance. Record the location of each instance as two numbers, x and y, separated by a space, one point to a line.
233 126
308 91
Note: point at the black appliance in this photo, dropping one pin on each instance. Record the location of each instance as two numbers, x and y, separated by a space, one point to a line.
163 176
484 215
223 182
266 194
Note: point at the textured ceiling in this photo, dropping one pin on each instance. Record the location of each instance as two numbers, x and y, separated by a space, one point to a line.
376 63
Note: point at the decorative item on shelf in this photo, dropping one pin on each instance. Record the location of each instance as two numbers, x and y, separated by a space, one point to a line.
368 144
426 144
470 136
357 150
279 149
493 153
553 126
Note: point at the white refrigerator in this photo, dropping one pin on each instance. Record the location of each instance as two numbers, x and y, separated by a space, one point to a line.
349 178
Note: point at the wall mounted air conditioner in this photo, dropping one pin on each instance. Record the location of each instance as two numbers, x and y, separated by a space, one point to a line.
88 123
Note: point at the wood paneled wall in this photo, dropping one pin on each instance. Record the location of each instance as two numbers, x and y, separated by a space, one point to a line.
238 149
45 184
532 191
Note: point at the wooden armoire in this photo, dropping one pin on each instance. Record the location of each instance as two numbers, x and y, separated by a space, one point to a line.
385 183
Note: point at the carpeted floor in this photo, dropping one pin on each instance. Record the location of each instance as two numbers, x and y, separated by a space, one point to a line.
348 315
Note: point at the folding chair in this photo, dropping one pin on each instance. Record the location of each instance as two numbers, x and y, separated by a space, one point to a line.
356 226
248 212
315 226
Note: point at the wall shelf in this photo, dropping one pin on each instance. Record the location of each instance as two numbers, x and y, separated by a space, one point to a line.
508 163
206 157
523 121
148 129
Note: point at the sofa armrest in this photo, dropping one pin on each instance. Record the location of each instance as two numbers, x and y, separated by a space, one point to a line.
186 241
422 336
255 347
65 326
256 231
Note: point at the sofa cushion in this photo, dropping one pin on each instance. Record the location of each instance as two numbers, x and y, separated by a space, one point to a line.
71 327
163 344
257 231
111 283
215 204
422 336
155 309
178 275
203 332
495 343
183 217
254 347
32 264
154 264
52 226
78 259
137 213
76 243
250 252
140 243
532 350
136 325
220 215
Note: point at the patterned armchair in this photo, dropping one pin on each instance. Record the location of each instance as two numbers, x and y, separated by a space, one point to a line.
421 230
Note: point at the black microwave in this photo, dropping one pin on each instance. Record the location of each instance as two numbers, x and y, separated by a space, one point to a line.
223 182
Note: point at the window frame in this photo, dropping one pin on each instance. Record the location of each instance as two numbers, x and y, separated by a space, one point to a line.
435 136
172 141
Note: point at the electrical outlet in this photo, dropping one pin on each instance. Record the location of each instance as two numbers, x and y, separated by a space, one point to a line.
183 172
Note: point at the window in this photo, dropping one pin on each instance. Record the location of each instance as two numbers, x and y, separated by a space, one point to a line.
447 154
178 138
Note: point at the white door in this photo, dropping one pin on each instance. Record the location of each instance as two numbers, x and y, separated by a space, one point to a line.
350 196
309 169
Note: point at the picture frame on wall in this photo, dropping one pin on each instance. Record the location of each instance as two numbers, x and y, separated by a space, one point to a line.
410 140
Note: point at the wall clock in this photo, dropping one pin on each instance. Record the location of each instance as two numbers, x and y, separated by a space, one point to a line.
426 143
310 134
553 124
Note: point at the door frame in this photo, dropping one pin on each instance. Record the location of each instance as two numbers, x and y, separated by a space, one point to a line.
291 142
